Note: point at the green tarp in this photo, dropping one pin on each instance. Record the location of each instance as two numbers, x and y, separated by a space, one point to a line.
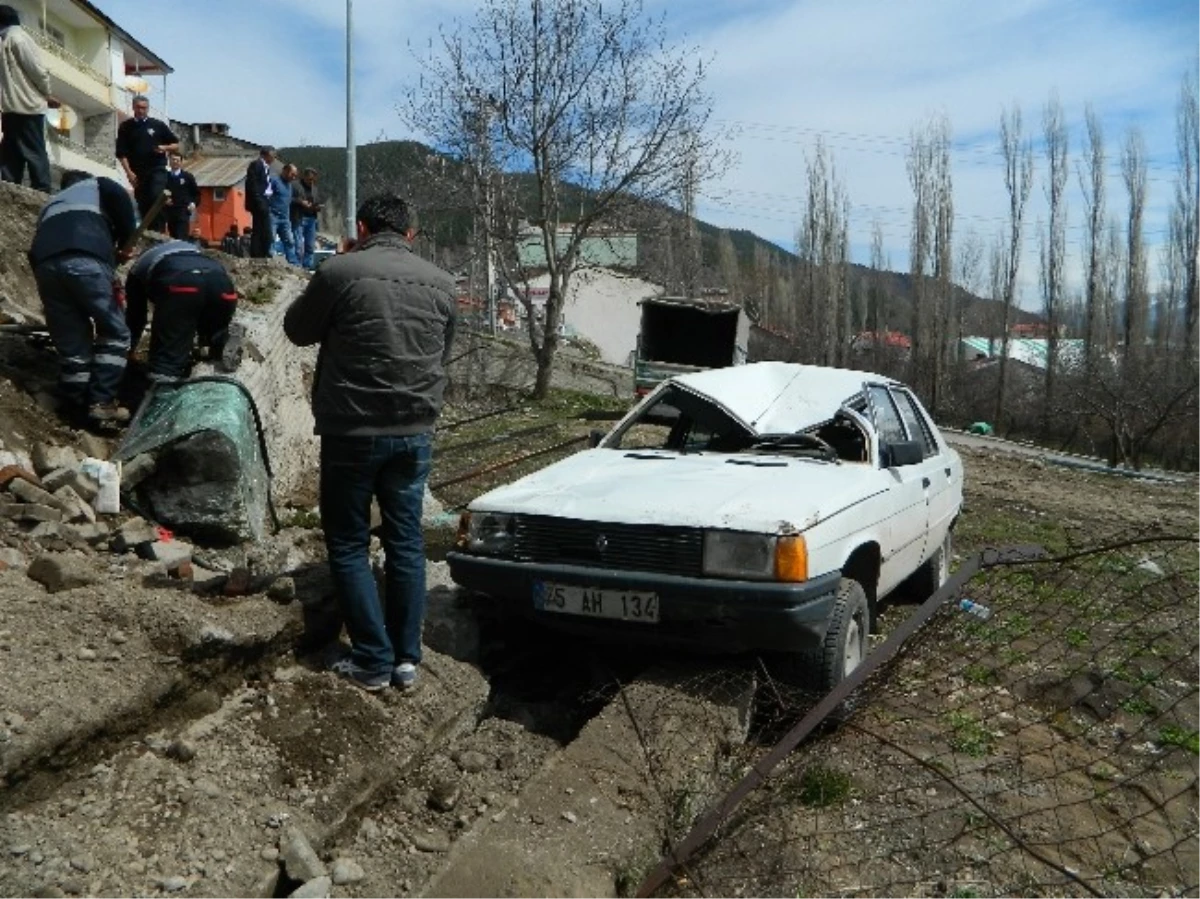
211 478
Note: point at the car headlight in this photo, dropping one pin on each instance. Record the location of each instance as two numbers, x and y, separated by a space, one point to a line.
486 532
755 556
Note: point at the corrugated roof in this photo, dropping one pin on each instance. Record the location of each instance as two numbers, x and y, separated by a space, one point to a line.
1032 351
219 171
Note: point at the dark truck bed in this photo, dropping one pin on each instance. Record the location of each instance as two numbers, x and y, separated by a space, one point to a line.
681 334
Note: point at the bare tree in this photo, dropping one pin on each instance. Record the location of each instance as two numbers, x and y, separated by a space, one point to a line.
1054 247
1018 179
921 178
821 246
728 268
591 112
1136 397
1185 213
943 259
1137 291
877 295
1091 182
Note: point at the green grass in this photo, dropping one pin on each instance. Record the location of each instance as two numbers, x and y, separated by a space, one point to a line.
980 674
968 735
1136 705
300 518
1076 636
1170 735
1000 528
822 787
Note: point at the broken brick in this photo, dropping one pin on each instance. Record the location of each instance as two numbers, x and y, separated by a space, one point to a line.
9 472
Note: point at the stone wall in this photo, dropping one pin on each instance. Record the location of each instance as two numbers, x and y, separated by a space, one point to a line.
278 376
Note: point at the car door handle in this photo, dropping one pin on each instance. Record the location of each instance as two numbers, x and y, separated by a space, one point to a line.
925 482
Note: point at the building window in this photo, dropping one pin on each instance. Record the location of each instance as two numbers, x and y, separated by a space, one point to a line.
55 35
218 195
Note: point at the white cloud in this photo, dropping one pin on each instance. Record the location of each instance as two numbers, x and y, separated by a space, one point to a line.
861 73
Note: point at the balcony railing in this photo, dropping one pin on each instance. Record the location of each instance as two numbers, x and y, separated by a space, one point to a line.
54 136
48 44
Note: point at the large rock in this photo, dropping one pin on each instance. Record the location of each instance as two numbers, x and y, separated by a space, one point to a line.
59 571
299 859
83 484
47 458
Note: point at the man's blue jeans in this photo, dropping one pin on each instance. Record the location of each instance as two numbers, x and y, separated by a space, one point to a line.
281 230
394 470
86 324
305 236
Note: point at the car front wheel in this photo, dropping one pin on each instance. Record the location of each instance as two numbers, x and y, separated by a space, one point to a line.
846 639
842 650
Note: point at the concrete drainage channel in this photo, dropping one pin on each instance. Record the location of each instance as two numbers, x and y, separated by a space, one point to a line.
527 771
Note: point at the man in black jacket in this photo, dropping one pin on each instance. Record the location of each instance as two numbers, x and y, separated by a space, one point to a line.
185 196
384 318
192 295
258 187
142 147
80 237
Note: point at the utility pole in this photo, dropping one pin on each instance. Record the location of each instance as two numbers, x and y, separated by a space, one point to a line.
351 157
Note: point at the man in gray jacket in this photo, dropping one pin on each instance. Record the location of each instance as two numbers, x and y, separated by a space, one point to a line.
24 96
384 318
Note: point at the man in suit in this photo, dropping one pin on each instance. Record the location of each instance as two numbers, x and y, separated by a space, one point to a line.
185 195
258 202
142 147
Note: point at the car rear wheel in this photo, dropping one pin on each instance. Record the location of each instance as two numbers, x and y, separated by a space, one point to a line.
935 572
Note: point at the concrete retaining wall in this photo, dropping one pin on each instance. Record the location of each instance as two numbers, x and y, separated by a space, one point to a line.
278 376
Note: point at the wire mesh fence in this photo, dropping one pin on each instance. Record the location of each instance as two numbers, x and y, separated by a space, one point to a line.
1049 748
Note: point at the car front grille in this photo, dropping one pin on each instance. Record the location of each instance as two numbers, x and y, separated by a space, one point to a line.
626 547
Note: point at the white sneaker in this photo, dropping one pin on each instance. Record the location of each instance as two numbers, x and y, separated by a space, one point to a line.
404 676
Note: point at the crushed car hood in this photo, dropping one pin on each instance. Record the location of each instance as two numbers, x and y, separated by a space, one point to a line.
709 490
778 397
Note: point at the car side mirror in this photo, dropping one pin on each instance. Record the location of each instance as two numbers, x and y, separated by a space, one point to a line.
903 452
595 436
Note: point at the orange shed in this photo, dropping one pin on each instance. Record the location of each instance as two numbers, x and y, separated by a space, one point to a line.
222 183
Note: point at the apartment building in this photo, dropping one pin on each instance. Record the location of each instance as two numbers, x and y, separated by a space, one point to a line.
96 68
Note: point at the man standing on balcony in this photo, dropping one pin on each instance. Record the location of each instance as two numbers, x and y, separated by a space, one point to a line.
142 147
24 96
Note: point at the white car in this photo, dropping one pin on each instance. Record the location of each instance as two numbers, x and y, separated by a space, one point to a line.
766 507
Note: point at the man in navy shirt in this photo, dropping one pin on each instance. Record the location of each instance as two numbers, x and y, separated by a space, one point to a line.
142 147
184 197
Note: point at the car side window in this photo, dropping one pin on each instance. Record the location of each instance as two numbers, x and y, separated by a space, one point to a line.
887 419
914 420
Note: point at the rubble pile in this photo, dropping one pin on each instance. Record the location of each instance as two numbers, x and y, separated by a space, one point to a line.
57 517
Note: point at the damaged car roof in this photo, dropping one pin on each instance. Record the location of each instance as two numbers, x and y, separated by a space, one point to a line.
778 397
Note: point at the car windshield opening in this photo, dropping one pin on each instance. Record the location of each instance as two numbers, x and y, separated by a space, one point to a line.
683 422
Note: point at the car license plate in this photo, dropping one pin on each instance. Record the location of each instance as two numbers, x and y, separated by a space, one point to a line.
592 602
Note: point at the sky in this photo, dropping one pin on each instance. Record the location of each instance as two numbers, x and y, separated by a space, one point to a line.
858 74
